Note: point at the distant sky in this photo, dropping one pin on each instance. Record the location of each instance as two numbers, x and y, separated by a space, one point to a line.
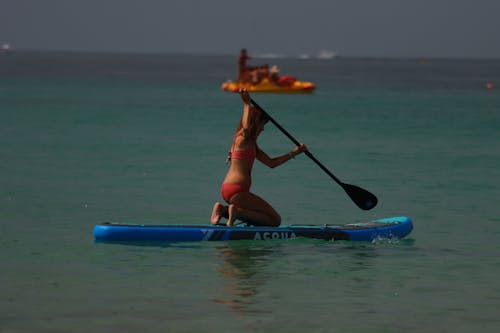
388 28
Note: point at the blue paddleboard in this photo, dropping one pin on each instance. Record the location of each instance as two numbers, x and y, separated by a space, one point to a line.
392 227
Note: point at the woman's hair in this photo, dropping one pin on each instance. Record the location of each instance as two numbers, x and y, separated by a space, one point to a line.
255 118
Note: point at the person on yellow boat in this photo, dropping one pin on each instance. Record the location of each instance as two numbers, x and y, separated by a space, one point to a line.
242 204
260 73
244 71
274 74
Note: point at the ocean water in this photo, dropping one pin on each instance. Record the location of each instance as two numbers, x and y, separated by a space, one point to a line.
88 138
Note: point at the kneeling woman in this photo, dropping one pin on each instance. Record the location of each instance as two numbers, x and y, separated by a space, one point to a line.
242 204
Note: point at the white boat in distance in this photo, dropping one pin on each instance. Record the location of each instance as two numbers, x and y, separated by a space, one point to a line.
326 54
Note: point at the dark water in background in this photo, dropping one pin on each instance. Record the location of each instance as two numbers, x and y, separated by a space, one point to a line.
88 138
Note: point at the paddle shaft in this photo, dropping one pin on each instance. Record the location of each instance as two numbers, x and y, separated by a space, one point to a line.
308 153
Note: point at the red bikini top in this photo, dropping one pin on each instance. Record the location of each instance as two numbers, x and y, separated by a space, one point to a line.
247 154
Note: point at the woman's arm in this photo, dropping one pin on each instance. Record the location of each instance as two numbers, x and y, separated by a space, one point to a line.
279 160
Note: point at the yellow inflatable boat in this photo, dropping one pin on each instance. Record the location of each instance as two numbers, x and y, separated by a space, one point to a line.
285 84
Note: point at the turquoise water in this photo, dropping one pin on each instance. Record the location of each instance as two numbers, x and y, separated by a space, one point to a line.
88 138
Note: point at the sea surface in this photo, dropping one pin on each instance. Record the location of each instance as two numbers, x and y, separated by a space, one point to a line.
87 138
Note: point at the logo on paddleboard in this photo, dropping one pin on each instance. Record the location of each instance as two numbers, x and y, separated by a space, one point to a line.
268 235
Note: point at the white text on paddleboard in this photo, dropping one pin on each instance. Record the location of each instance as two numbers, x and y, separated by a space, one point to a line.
273 235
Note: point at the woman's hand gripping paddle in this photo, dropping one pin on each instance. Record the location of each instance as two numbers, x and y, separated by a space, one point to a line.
361 197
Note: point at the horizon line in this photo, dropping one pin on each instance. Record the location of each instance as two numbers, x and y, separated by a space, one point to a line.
267 55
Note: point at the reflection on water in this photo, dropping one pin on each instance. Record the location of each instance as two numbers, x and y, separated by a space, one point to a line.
243 268
249 271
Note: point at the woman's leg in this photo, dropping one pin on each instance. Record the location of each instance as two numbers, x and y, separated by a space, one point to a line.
252 209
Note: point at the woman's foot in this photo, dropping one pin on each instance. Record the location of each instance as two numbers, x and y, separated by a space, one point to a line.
217 213
232 215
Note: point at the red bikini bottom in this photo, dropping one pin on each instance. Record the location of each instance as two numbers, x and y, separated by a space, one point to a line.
228 190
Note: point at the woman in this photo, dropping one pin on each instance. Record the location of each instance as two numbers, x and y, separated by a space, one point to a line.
242 204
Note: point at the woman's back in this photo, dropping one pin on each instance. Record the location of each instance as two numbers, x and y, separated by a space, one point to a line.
242 157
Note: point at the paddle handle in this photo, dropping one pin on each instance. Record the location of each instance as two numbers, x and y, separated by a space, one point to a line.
297 143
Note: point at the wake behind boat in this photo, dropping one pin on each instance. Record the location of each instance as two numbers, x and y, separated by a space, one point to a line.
387 228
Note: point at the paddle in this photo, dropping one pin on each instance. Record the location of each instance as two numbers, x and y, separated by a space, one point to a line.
361 197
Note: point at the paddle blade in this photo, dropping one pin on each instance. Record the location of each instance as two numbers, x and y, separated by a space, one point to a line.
361 197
